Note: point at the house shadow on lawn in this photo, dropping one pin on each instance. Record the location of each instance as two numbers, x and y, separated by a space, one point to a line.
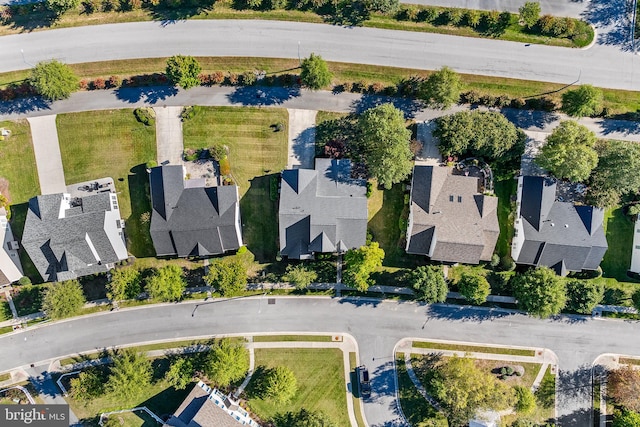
260 220
137 228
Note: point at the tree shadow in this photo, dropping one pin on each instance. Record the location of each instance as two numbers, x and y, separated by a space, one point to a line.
168 15
149 95
137 228
573 388
28 16
526 119
465 313
304 147
612 20
263 96
348 13
408 106
622 127
24 105
361 301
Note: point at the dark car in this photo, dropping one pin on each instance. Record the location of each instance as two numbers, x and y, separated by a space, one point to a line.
363 380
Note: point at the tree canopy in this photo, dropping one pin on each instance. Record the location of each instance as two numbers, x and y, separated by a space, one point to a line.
315 72
624 418
384 142
474 287
280 384
583 295
183 71
299 275
428 282
583 101
130 374
360 263
125 283
616 173
180 373
479 133
88 385
462 389
53 80
539 291
304 418
64 299
568 152
166 283
623 386
226 362
227 276
530 13
442 88
58 7
525 400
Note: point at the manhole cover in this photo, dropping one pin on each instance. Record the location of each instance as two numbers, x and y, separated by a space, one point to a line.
271 301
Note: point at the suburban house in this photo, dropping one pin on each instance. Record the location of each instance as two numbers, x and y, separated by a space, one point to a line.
322 210
10 266
449 219
189 219
207 407
555 234
635 251
68 237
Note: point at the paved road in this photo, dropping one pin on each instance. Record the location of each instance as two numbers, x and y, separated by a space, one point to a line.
605 65
376 325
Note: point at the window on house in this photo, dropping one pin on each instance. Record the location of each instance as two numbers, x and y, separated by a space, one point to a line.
459 199
451 198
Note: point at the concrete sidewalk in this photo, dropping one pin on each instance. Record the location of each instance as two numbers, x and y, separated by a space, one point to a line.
47 151
169 141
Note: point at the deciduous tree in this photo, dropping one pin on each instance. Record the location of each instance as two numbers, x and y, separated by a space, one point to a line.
540 291
429 283
299 275
227 276
583 295
530 13
64 299
130 375
385 141
227 362
616 173
166 283
304 418
183 71
53 80
125 283
623 386
88 385
61 6
315 72
280 384
180 373
624 418
442 88
474 287
360 263
583 101
525 400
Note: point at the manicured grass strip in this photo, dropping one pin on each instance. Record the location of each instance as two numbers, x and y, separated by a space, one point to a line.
629 361
320 378
6 329
276 338
18 162
256 152
112 143
473 348
354 382
619 233
504 190
5 377
134 419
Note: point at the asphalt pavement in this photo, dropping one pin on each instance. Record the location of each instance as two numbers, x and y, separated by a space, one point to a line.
377 326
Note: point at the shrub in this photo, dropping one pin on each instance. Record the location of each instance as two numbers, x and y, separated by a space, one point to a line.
248 78
24 280
429 15
454 15
108 5
114 82
233 79
190 155
495 260
83 84
473 17
225 166
507 263
145 115
217 152
98 84
151 164
369 189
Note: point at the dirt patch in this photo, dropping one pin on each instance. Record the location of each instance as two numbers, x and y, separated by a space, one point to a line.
4 188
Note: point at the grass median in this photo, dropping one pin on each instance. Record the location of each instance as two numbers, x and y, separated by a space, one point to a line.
473 348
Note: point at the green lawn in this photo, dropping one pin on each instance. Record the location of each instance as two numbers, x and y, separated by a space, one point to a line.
255 152
504 190
473 348
279 338
18 163
112 143
321 382
619 232
414 406
135 419
5 311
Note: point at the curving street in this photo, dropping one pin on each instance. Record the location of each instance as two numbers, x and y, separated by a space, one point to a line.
376 325
607 65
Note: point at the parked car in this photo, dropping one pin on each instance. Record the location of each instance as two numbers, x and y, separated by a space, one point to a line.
363 381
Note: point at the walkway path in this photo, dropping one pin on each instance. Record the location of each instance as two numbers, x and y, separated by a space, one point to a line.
302 138
47 151
12 306
40 377
169 143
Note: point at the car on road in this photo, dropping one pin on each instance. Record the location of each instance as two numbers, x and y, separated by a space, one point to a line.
364 384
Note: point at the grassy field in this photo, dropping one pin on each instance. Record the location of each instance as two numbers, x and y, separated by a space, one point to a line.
256 152
504 190
134 419
619 232
112 143
278 338
18 163
320 376
473 348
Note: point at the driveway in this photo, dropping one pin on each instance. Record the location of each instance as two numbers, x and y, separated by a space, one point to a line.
169 142
302 138
47 151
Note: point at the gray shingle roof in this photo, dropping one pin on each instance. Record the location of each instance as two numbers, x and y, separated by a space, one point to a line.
321 210
68 238
558 234
448 219
192 221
